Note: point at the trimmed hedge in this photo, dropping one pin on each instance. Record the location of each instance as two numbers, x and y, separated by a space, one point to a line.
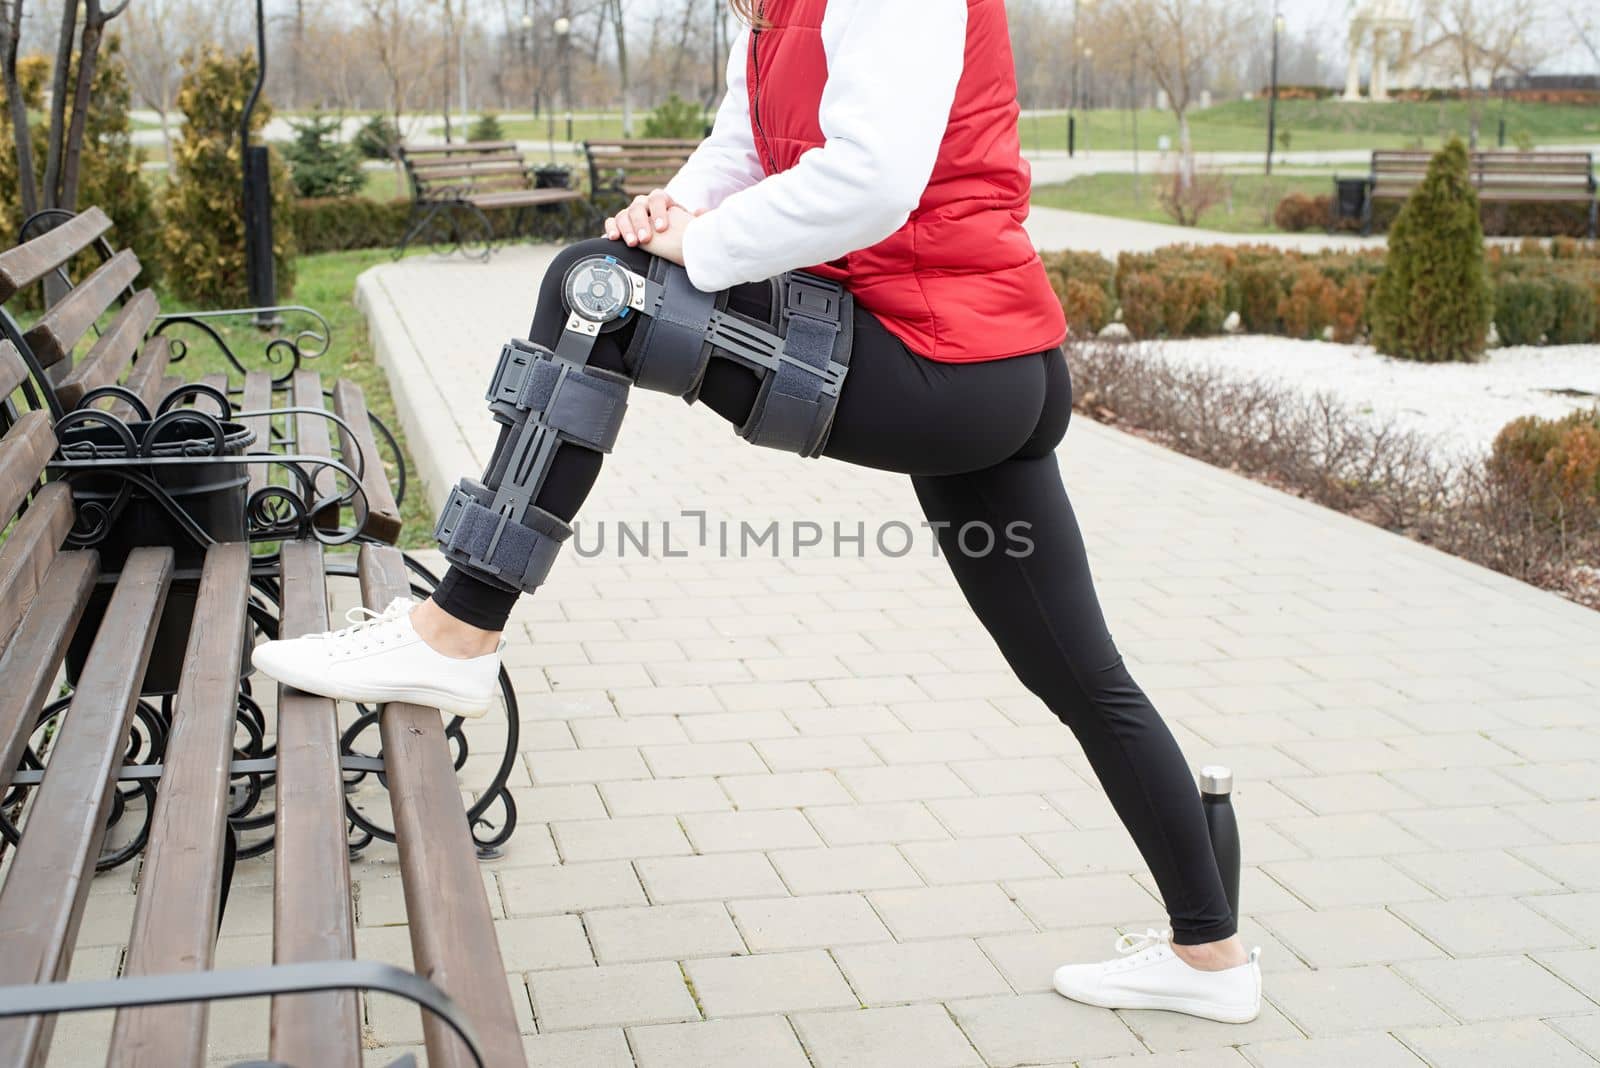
1190 291
339 224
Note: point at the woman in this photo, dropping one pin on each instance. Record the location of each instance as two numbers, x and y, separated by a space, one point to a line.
879 138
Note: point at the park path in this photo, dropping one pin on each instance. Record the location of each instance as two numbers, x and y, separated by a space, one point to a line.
794 810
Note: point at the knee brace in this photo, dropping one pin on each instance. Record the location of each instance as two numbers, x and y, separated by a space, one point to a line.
544 398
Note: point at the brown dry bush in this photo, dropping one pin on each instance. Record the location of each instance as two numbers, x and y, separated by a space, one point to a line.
1500 514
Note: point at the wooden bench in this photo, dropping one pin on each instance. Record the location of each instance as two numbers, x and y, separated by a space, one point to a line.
630 168
104 342
465 181
168 980
1498 177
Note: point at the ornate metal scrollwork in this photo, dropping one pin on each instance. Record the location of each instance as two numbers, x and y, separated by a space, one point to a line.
292 350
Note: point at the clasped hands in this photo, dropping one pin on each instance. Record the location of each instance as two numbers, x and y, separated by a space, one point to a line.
656 222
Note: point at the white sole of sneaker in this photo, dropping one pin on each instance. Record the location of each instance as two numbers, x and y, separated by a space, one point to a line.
448 703
1205 1010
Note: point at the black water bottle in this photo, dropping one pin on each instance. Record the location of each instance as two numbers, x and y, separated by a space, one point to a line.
1216 791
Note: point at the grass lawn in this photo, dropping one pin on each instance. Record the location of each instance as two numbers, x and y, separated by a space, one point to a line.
1314 125
1248 209
327 283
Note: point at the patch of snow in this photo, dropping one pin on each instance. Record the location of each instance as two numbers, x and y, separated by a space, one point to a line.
1462 405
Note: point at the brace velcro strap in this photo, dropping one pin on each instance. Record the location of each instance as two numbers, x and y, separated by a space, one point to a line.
588 408
584 404
670 349
517 553
795 407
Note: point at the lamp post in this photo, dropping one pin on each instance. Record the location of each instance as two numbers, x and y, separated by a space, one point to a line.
1272 103
1072 95
260 268
563 30
1088 92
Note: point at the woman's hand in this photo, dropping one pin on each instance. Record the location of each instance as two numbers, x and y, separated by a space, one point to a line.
668 243
639 222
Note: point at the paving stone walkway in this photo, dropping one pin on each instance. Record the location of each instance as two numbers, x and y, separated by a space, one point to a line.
792 810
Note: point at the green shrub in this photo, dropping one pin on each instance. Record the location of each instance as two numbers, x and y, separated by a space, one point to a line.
1555 461
1083 283
322 167
1144 299
202 233
1577 311
1432 301
675 117
1298 212
1524 310
487 128
338 224
377 138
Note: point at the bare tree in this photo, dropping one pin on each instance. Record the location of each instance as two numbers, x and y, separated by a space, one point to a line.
10 43
1175 42
64 148
1484 39
614 9
396 35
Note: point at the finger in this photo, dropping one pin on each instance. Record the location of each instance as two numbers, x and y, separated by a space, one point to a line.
613 231
626 231
660 208
639 218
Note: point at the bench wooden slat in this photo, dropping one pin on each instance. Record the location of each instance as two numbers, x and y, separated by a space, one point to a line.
149 377
29 548
104 362
383 515
312 914
31 659
13 372
524 198
453 939
60 329
180 887
257 397
42 900
458 147
644 142
24 451
438 172
312 438
218 382
29 262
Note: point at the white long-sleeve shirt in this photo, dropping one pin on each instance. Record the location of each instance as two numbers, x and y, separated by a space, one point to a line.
893 67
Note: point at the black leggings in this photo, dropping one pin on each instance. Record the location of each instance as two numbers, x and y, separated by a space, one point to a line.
978 441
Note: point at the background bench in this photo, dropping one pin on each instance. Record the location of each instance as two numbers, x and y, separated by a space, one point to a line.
44 588
629 168
461 183
1498 177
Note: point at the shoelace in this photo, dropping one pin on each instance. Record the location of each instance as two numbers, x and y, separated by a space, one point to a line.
364 620
1137 948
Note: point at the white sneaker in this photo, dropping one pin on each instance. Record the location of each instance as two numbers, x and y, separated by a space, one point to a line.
381 658
1149 975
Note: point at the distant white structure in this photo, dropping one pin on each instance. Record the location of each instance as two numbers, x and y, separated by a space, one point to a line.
1386 29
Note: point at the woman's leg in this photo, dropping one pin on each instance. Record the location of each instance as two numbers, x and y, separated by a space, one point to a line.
1038 602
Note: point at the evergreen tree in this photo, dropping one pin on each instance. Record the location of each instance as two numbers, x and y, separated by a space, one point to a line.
1433 302
322 166
202 233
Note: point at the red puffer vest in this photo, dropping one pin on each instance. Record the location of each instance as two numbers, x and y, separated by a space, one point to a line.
960 282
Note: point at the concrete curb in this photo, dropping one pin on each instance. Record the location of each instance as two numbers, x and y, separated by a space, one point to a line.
437 444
